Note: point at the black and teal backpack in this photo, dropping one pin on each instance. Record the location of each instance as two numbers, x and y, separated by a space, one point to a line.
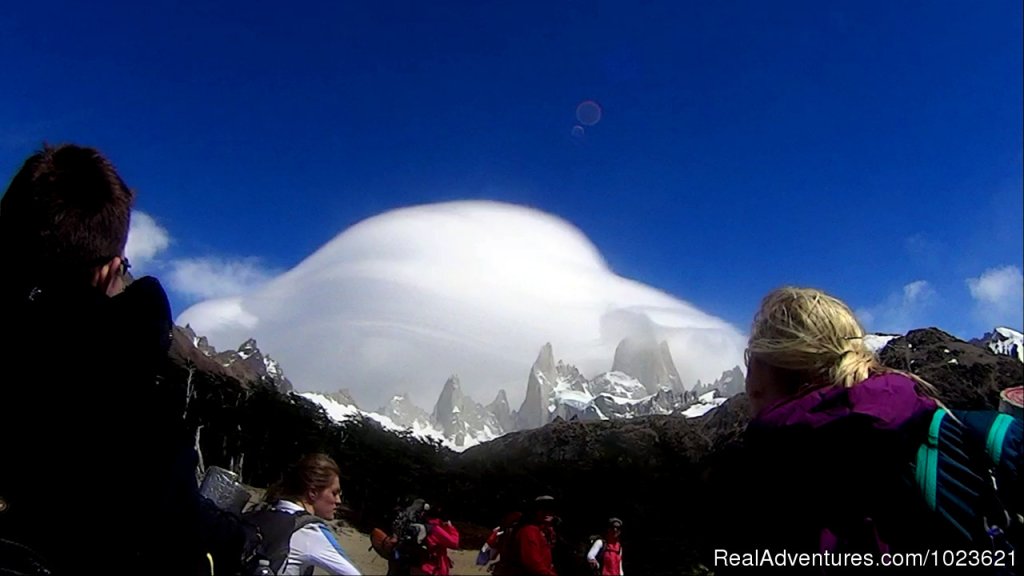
967 471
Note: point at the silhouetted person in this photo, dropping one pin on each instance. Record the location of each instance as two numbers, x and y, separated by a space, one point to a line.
95 472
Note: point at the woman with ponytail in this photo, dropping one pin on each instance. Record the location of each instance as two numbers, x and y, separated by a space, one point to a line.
308 494
804 340
824 459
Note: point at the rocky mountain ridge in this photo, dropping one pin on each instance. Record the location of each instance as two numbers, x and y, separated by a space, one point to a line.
643 382
654 462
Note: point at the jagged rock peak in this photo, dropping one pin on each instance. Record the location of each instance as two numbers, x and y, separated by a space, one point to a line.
730 383
199 342
452 383
502 412
248 348
534 411
674 380
545 359
501 398
571 375
343 396
449 402
648 361
403 412
1004 341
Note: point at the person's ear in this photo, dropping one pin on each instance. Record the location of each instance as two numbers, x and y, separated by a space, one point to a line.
101 275
107 278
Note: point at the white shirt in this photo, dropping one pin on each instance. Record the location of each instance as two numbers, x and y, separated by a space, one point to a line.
592 554
314 545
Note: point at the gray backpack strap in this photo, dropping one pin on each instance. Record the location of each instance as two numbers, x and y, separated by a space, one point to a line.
303 520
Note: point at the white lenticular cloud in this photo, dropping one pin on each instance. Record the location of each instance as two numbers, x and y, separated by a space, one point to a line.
216 277
146 239
399 302
999 296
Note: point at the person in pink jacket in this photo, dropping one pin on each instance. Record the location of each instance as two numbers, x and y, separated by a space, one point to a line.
441 535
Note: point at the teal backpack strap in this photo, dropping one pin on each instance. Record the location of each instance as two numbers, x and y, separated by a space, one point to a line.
952 477
996 436
1001 436
926 467
966 471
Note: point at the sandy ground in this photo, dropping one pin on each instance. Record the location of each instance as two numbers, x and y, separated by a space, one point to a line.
357 544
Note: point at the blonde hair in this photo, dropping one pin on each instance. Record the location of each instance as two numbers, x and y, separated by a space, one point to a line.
814 334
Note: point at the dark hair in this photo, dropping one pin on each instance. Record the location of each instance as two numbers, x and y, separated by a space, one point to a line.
311 472
66 209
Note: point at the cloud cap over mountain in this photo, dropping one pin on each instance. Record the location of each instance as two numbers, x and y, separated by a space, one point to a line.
401 301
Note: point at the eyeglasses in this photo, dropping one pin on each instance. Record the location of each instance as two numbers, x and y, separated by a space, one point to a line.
122 270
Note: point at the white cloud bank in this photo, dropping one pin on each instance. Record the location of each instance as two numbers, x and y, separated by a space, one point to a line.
146 239
999 296
399 302
213 277
901 311
192 278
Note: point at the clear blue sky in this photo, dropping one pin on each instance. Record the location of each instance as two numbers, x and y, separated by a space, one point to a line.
873 149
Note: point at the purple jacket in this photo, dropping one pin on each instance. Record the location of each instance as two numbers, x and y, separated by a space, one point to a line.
888 402
827 471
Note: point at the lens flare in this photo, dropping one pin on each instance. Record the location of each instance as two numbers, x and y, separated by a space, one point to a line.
588 112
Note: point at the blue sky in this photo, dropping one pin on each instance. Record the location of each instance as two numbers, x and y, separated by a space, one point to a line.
872 149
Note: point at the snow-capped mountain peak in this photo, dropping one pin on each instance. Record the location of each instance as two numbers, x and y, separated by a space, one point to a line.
1003 340
555 390
403 412
875 342
246 358
618 384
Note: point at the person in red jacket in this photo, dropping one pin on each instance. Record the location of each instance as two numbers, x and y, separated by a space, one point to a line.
441 535
491 549
529 551
605 555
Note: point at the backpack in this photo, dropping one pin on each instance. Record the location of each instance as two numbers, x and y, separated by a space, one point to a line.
275 532
966 471
602 554
405 542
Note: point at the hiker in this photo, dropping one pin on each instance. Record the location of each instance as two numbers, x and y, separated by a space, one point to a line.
405 546
83 423
824 461
306 497
490 551
605 554
530 544
441 535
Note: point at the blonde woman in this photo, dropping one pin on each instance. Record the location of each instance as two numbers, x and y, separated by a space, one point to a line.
806 342
833 432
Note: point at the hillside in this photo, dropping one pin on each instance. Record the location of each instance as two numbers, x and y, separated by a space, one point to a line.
647 469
